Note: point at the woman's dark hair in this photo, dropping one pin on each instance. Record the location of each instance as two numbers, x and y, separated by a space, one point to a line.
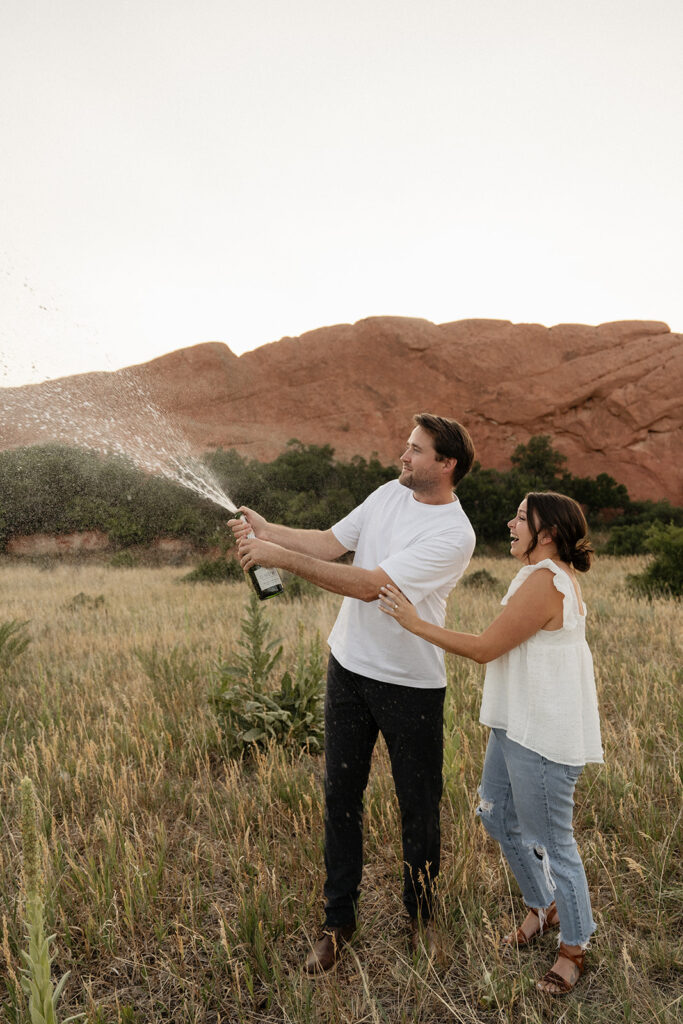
563 518
451 441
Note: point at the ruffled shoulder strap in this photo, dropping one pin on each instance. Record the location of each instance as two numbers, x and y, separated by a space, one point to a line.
516 583
562 582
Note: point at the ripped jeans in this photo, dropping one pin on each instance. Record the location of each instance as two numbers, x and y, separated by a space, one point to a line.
526 804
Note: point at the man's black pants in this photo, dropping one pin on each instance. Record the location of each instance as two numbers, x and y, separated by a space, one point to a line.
411 722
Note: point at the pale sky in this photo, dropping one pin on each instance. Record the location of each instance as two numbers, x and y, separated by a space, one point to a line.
180 171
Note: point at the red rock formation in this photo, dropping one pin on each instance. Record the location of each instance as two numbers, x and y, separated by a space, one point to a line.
608 396
62 544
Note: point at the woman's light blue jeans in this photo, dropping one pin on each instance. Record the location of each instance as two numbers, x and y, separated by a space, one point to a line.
526 804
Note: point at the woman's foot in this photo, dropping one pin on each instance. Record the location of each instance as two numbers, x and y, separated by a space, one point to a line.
531 927
565 972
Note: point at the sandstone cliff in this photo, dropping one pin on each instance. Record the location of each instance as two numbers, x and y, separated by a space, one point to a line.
609 396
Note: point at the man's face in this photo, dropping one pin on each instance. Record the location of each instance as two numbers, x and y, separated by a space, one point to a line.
420 469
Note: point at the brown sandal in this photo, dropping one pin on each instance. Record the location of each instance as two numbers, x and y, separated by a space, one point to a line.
561 985
520 939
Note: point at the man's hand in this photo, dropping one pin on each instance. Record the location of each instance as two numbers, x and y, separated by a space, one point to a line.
251 522
253 552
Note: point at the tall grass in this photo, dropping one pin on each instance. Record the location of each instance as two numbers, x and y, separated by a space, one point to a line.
185 887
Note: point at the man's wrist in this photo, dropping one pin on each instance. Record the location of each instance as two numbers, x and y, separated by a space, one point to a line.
266 534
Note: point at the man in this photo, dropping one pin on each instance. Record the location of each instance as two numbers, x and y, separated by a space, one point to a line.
414 533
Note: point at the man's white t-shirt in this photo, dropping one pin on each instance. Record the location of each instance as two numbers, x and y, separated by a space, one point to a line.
424 549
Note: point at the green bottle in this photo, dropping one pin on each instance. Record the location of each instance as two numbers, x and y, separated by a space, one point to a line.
266 582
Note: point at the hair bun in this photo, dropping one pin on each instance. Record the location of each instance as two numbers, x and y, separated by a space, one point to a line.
565 521
582 555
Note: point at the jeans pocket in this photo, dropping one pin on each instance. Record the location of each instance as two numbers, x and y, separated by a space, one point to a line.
572 771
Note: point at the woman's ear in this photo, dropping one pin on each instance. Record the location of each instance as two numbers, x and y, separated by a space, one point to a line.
546 537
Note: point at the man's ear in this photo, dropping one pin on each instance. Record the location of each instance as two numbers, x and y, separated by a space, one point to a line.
449 465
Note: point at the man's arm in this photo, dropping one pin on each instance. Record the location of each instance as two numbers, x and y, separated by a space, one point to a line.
347 580
320 544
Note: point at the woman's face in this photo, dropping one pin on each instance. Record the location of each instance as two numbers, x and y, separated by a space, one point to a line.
520 534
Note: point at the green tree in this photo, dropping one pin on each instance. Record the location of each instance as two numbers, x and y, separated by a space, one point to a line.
538 462
490 498
601 497
304 486
56 490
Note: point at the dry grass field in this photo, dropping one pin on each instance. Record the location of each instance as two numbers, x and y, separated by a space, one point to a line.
185 887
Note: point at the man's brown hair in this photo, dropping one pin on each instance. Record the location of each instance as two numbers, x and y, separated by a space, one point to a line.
451 441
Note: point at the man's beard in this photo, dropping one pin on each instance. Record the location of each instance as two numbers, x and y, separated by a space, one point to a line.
424 483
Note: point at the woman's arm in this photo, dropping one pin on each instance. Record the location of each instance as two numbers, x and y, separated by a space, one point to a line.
529 609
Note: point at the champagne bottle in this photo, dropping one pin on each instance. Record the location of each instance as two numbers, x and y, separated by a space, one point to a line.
266 582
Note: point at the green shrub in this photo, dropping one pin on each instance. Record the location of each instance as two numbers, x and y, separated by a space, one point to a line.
649 512
57 489
296 588
481 579
664 575
259 655
627 540
123 560
251 710
300 695
81 601
216 570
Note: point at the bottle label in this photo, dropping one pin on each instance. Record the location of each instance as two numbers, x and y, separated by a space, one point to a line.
267 578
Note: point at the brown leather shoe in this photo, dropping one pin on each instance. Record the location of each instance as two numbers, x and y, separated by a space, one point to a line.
423 938
328 949
522 937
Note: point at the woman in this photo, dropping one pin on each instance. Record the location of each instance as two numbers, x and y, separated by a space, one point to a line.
539 700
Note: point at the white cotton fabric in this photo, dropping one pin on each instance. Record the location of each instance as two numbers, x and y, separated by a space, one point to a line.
542 693
424 549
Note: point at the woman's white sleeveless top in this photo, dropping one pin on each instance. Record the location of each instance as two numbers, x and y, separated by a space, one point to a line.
542 693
